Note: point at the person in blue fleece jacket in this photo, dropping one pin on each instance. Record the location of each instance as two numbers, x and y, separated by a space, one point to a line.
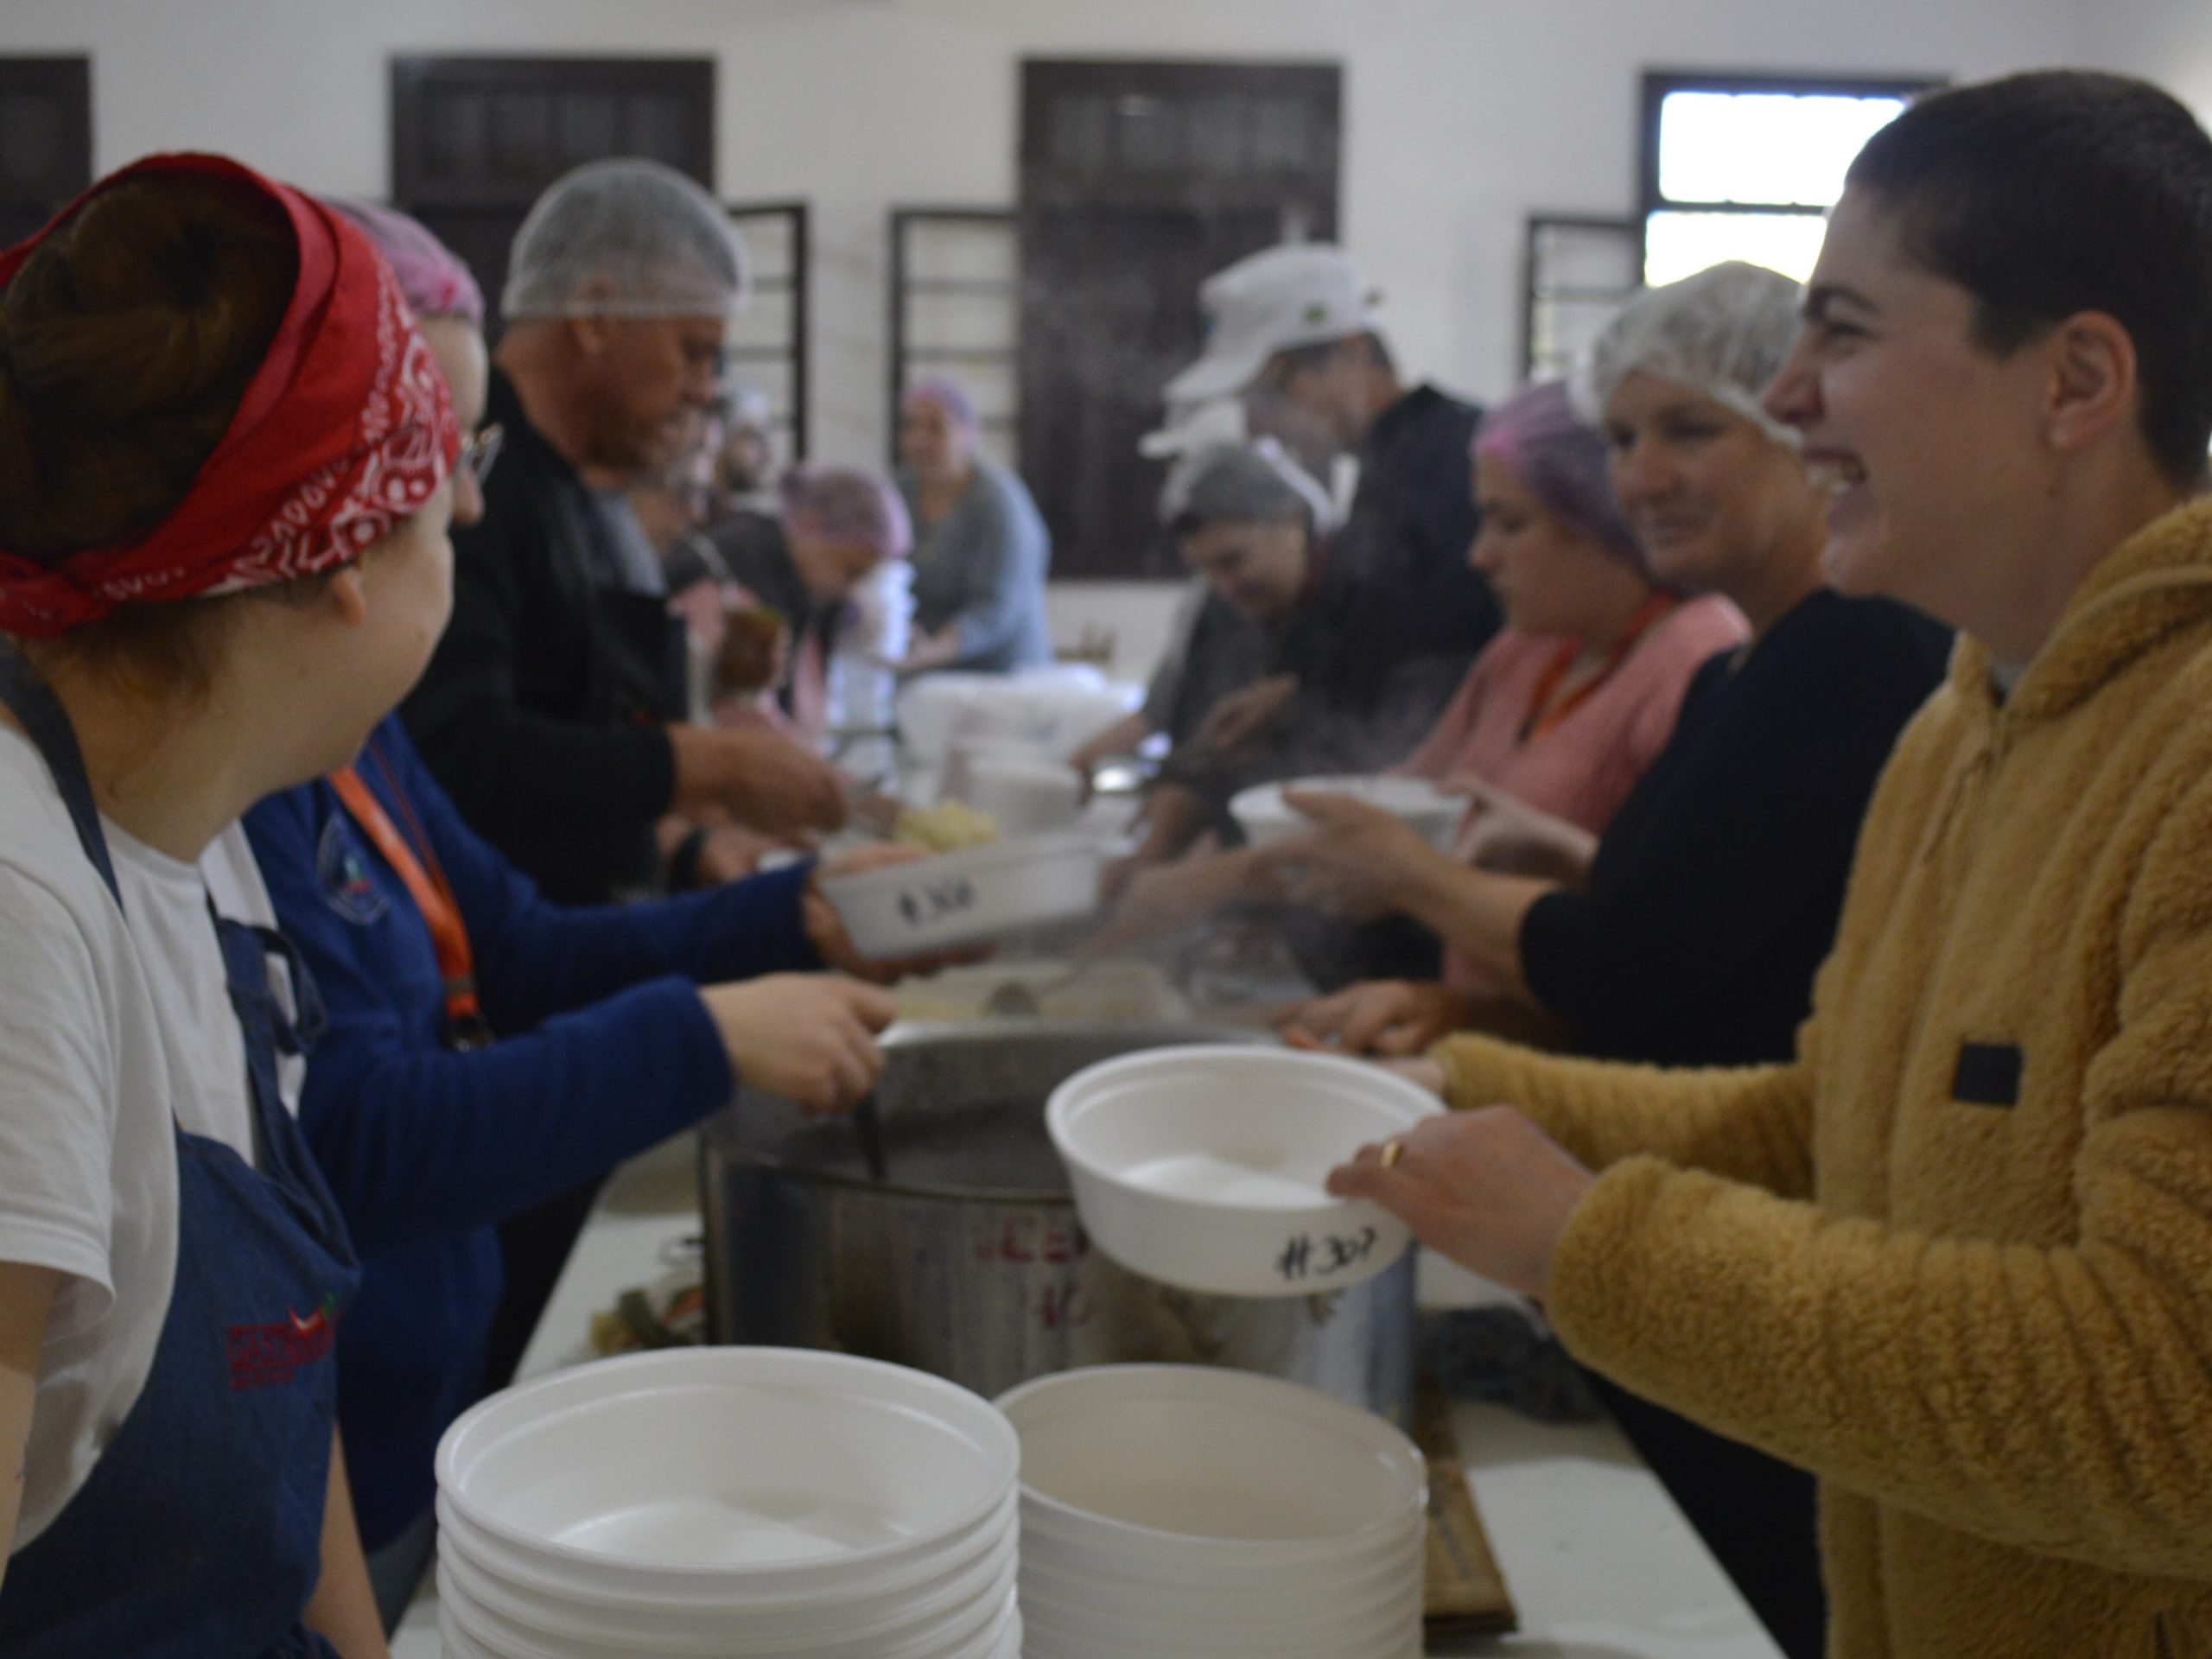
438 1108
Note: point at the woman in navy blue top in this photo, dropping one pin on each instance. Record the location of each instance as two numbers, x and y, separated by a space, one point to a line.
446 1094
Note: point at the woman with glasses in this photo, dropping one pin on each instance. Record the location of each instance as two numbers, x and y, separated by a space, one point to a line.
484 1048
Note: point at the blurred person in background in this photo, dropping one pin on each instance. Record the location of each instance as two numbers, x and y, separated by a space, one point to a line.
744 460
485 1049
1567 707
1291 334
552 712
1201 613
1297 671
1950 1253
801 568
1694 936
981 552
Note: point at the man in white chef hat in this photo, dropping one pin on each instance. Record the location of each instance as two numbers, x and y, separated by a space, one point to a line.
1291 335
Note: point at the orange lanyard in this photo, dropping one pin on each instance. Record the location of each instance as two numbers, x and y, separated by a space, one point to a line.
465 1026
1539 722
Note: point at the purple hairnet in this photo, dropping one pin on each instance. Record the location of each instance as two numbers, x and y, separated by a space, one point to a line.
848 506
431 275
1561 461
947 395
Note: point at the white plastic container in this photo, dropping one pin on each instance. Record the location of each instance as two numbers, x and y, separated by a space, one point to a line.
1266 818
1058 708
741 1471
1214 1515
963 897
1203 1167
1027 797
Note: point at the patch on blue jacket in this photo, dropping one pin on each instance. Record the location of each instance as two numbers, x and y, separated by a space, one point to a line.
343 875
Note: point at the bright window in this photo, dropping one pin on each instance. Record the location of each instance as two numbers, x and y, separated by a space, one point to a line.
1744 168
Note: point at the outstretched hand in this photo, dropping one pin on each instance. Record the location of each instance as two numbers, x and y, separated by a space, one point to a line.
1390 1019
1487 1188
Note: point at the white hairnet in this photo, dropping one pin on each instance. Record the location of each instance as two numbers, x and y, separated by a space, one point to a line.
1724 332
657 244
1242 483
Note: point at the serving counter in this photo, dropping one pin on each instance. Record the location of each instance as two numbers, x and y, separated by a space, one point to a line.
1599 1563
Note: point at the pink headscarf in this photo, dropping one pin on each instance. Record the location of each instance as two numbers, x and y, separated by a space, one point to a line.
431 275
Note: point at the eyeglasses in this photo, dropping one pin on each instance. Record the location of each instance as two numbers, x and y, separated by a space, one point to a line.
478 451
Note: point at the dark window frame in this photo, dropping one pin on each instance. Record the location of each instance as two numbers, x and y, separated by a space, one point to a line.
797 283
1658 85
1534 294
67 79
903 354
416 76
1243 154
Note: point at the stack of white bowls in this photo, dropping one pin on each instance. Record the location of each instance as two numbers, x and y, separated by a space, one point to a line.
729 1502
1176 1512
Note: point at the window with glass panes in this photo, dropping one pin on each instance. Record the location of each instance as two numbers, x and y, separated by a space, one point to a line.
1745 167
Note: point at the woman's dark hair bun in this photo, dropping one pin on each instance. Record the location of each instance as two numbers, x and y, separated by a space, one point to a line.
126 342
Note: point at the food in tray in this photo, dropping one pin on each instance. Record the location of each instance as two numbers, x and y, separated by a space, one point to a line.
945 828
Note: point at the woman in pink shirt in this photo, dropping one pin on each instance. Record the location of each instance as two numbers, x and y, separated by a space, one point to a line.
1567 705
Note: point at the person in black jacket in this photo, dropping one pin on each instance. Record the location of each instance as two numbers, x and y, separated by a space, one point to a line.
1291 334
1693 935
551 712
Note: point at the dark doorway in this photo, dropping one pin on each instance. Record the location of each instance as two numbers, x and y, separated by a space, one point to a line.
1137 180
46 140
475 140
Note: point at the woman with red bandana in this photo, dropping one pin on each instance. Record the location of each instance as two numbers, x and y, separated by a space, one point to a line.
224 461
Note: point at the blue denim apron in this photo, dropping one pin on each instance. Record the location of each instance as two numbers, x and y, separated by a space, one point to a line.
198 1533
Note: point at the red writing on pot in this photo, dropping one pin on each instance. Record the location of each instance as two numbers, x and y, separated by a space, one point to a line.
1021 1240
1061 1307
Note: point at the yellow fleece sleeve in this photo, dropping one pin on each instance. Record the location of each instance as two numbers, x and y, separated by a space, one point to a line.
1750 1123
2052 1399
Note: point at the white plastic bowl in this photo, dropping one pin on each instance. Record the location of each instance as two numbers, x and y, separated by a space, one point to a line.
1268 1631
1265 817
948 1604
1186 1465
1076 1567
950 1631
1230 1624
727 1471
960 898
1203 1167
703 1598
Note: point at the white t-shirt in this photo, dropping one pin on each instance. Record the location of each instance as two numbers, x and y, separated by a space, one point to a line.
110 1034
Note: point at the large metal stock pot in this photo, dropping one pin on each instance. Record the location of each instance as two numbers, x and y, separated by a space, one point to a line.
967 1259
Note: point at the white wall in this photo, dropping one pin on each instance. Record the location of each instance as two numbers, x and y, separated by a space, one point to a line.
2168 40
1461 117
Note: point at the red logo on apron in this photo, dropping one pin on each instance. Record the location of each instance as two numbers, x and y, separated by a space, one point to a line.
269 1356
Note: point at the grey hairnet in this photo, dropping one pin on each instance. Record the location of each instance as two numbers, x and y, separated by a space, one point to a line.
1724 332
1241 483
657 244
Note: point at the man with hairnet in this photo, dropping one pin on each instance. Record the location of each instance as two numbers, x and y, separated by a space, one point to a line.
552 710
1291 335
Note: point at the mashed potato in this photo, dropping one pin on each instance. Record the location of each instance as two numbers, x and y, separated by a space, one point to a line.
945 828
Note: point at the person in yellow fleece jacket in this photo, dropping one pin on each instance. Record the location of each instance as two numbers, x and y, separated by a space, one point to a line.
1956 1256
